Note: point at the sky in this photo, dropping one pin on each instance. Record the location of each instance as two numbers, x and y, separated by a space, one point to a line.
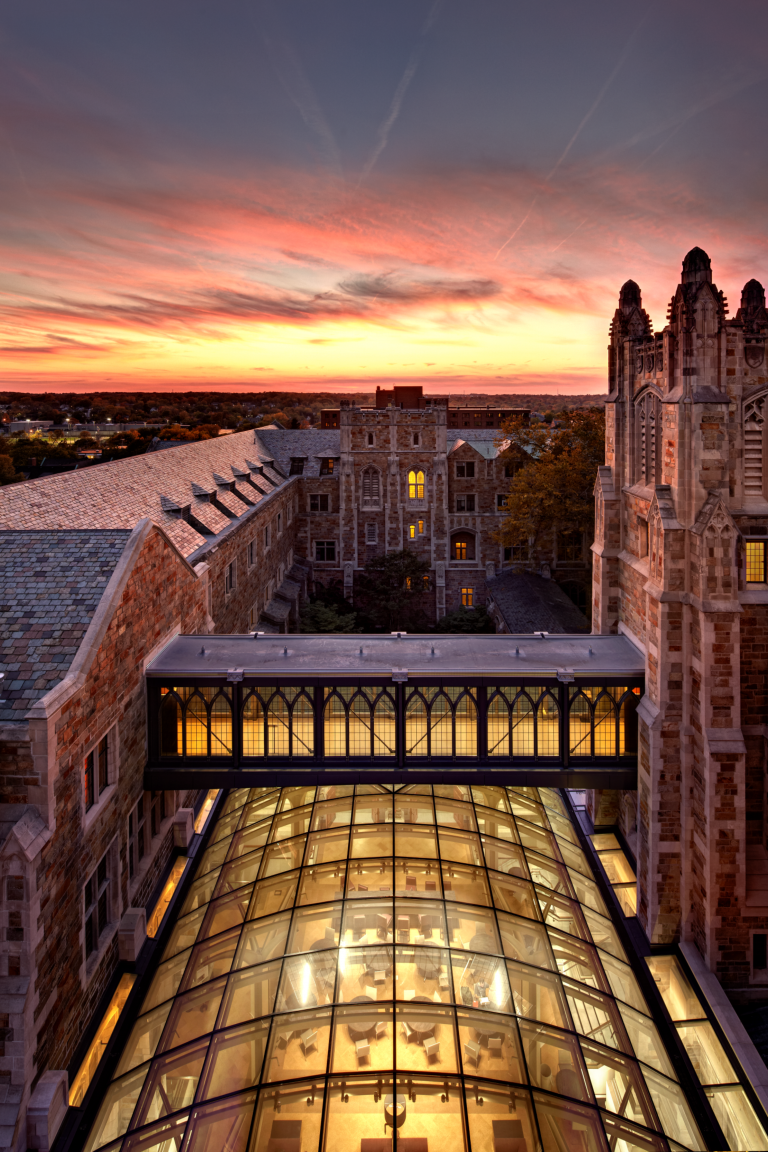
320 194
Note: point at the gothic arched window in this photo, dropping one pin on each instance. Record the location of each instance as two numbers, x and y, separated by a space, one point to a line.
371 485
755 477
415 485
648 423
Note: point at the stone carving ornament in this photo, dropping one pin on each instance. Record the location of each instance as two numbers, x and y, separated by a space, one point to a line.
754 354
649 362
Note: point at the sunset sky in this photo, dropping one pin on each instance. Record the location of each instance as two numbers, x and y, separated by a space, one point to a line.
314 194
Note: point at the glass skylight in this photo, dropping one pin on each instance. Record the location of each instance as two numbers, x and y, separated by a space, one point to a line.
356 965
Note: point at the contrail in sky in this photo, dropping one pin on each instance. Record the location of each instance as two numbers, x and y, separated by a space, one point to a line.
399 96
585 120
567 238
296 83
599 98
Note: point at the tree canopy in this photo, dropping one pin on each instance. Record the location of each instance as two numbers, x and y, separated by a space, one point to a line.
553 484
466 620
392 590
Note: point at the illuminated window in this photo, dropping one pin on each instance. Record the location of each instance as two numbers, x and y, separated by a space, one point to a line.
415 485
326 466
325 550
278 722
359 722
468 597
412 531
425 580
98 1045
755 561
462 546
501 502
409 583
421 527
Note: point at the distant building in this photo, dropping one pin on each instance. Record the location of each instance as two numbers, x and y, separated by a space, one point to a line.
411 397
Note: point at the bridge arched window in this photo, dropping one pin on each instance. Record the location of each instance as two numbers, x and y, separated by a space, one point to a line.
523 724
602 722
462 546
370 483
416 484
195 722
278 723
359 723
649 438
441 724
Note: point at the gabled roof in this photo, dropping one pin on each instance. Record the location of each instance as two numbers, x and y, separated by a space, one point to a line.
529 603
51 583
122 492
484 447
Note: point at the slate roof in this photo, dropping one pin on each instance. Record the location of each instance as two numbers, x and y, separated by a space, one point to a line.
50 585
529 603
122 492
313 443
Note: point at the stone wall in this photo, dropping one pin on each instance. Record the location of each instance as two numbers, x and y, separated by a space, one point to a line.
160 595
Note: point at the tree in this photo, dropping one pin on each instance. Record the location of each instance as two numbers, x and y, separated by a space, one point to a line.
466 620
554 490
392 590
319 617
8 473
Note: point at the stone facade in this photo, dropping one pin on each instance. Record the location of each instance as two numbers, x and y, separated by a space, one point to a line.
683 491
51 844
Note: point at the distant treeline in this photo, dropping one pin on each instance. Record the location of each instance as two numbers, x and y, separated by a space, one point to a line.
233 409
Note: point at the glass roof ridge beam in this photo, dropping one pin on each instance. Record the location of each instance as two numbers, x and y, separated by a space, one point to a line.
705 1117
78 1121
750 1066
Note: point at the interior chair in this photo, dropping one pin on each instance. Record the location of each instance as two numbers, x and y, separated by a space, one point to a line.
363 1050
472 1051
308 1040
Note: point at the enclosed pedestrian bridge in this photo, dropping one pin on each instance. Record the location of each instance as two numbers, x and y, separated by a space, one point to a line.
534 709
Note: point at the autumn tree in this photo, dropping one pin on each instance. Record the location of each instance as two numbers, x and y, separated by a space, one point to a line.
553 473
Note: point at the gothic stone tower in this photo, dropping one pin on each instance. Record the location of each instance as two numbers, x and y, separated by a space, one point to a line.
679 567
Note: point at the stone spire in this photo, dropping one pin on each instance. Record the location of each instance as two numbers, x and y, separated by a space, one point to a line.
697 267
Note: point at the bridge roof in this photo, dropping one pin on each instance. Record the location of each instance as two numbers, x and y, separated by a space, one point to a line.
427 655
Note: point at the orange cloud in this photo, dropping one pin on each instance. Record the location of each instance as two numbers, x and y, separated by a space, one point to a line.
187 279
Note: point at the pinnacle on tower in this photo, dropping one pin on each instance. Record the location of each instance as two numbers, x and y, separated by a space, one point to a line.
697 267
